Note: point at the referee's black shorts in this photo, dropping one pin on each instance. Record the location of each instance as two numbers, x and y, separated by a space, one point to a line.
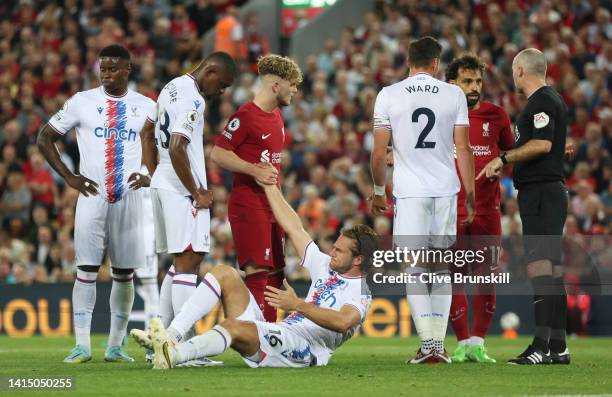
543 210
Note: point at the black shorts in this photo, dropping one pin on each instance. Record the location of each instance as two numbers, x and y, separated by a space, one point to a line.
543 209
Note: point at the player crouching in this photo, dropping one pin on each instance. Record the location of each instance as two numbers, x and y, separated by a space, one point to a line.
336 305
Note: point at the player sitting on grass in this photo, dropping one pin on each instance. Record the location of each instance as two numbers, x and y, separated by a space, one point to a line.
336 305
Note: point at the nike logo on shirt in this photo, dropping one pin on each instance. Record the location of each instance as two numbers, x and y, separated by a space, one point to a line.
265 136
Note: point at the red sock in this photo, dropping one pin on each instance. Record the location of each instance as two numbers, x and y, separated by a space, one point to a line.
274 280
484 309
459 313
256 283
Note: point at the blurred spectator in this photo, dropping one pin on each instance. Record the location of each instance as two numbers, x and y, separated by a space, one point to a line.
229 33
16 200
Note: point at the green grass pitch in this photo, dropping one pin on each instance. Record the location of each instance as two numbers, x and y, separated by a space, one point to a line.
362 367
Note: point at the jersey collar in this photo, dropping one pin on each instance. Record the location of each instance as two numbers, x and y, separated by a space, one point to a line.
113 96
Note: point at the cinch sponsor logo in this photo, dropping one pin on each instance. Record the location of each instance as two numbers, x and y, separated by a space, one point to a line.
116 134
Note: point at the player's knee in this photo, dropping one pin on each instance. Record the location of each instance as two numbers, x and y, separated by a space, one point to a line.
232 326
223 273
88 268
126 272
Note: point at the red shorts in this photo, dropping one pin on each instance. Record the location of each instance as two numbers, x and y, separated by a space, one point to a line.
484 234
258 239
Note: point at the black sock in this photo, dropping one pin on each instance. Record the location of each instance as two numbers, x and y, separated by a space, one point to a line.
543 306
559 321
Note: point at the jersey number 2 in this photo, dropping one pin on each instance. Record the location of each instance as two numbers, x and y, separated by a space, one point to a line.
431 120
164 128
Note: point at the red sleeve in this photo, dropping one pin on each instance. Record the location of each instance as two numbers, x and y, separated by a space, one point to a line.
234 133
506 137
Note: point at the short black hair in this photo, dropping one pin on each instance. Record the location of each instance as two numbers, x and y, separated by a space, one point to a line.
467 61
224 60
424 50
115 51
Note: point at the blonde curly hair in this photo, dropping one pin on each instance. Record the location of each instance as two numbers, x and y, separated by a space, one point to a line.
283 67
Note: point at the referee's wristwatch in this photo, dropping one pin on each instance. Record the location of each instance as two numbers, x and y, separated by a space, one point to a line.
502 156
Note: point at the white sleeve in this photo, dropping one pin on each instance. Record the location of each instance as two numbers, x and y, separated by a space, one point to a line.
185 122
361 303
462 109
381 111
67 117
152 111
314 260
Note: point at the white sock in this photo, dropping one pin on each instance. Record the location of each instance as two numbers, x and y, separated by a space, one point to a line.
183 286
199 304
476 341
465 342
83 302
150 295
420 308
121 301
211 343
441 299
165 298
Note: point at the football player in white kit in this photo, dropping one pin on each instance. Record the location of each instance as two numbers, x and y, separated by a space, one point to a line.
337 303
425 116
179 190
107 120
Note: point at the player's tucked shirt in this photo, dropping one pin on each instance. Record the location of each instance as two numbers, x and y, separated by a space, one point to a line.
330 290
108 135
490 132
255 136
180 110
421 113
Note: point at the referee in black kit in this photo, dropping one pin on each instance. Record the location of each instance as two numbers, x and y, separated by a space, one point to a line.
538 156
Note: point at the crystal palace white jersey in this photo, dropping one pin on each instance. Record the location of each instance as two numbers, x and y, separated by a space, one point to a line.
180 110
329 290
421 113
108 136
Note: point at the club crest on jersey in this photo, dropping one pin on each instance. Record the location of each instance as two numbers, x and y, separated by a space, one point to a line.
134 109
100 109
485 129
540 120
234 124
197 103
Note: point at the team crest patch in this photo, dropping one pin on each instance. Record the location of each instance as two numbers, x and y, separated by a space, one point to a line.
192 116
485 129
233 125
540 120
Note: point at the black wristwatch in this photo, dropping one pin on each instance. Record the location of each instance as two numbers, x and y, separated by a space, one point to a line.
502 156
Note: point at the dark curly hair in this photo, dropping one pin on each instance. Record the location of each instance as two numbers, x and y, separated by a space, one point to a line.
467 61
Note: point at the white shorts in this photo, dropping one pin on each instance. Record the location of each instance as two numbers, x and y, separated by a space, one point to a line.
425 222
117 226
178 225
282 347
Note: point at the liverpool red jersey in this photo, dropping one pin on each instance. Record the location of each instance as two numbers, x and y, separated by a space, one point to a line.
255 136
489 133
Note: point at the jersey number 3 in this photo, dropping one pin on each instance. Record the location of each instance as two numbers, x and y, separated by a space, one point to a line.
431 120
164 128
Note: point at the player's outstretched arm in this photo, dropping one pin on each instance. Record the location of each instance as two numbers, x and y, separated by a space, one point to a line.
288 219
231 162
465 163
180 162
46 144
339 321
149 150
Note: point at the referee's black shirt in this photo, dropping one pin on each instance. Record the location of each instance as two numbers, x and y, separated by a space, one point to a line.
544 117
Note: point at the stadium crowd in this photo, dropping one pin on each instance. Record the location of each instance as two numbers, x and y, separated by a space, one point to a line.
48 52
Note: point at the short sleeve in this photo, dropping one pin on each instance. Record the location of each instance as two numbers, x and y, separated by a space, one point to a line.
67 117
152 111
361 303
506 137
543 123
234 133
462 109
381 111
314 260
186 123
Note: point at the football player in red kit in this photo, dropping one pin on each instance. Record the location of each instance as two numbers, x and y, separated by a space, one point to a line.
255 134
490 132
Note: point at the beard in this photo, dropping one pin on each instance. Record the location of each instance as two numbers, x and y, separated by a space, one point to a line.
472 99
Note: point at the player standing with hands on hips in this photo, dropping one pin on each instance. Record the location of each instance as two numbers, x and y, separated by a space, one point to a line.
538 155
